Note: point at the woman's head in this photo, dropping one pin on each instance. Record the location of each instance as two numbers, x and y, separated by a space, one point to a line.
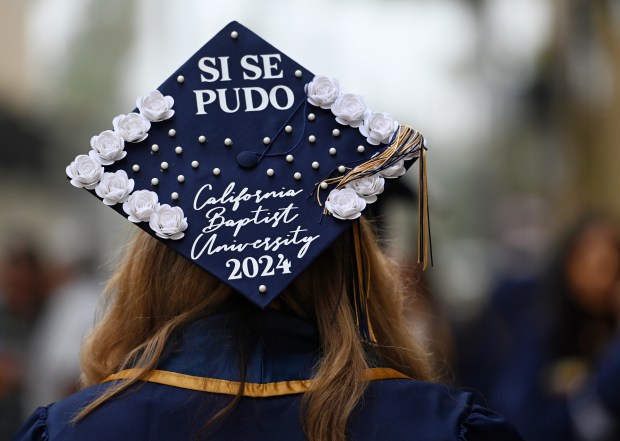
580 291
592 266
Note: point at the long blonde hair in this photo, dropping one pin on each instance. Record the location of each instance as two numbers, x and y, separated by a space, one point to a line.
154 291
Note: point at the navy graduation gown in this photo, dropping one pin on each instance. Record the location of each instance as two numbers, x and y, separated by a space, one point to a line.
199 375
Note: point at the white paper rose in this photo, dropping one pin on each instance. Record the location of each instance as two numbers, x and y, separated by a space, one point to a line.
378 127
369 187
350 109
85 171
133 127
140 205
168 222
109 146
323 91
345 204
115 187
155 106
394 171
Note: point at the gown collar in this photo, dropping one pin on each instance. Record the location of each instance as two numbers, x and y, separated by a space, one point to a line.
281 347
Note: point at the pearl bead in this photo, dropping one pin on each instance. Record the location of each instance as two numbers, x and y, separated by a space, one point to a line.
336 132
172 132
262 289
228 142
174 195
270 172
360 149
194 164
164 165
288 129
332 151
180 79
178 150
234 35
298 73
311 117
290 158
266 140
297 176
136 168
154 181
341 169
181 178
315 165
312 138
323 185
154 148
216 171
202 139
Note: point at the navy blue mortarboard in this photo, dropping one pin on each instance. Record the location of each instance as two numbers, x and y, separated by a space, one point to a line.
248 164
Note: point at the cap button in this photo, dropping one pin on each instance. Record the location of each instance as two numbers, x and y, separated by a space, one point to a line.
247 159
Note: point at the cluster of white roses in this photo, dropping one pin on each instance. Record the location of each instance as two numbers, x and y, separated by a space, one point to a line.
378 128
349 202
350 109
87 171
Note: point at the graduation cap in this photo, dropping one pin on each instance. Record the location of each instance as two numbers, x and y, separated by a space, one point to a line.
248 164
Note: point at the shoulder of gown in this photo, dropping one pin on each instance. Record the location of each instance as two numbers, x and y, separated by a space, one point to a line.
35 428
53 422
482 424
395 409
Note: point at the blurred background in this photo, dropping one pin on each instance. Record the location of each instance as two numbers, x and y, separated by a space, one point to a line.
519 101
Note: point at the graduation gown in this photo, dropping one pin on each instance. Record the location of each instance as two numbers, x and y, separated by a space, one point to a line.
199 375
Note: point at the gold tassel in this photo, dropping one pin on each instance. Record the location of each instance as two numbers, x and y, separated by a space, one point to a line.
366 293
362 288
424 230
359 268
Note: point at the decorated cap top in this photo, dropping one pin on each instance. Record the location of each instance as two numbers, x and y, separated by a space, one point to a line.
246 163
